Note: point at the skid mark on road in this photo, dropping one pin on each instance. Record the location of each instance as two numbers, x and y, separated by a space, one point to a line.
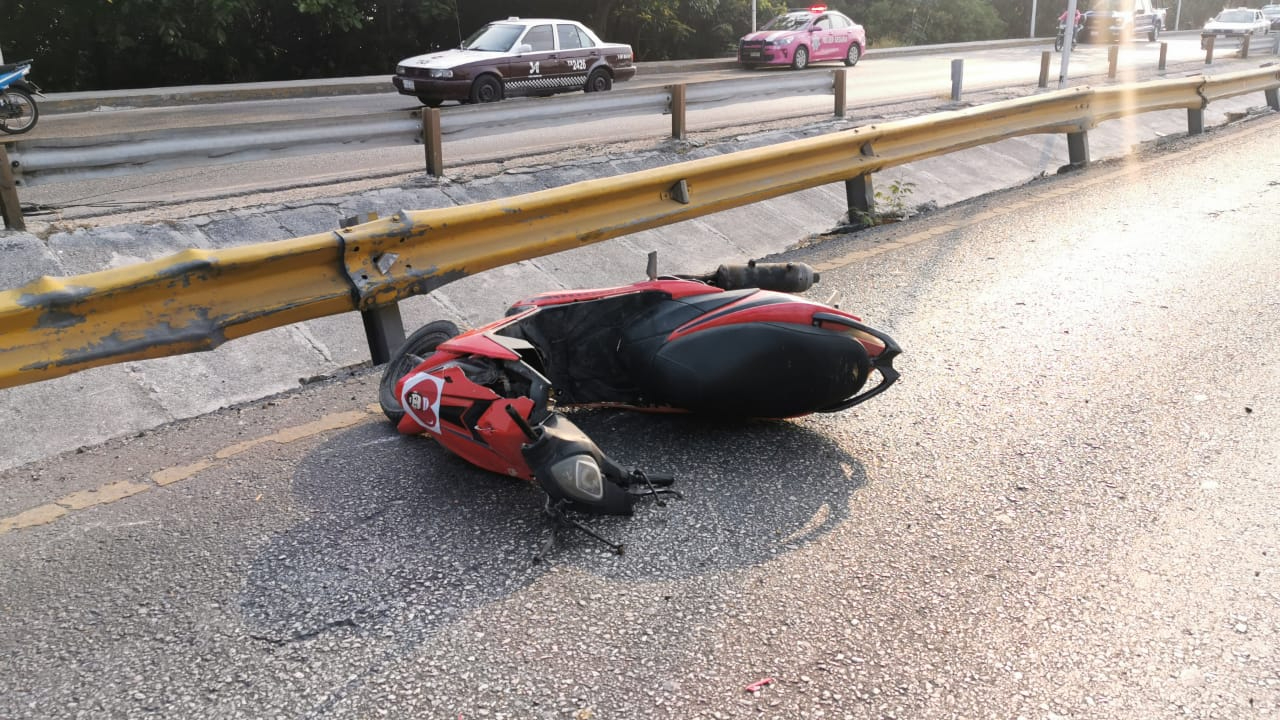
120 489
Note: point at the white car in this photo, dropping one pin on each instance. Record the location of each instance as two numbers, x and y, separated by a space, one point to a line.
1236 23
1272 13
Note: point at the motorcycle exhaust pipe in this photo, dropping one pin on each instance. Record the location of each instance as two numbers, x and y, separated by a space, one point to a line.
781 277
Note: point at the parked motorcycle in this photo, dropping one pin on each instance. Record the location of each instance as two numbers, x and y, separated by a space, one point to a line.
1061 40
735 342
18 110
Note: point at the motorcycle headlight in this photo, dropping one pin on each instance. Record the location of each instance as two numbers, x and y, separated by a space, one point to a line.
439 73
579 476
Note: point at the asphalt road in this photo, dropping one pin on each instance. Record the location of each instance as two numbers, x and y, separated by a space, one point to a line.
875 84
1066 508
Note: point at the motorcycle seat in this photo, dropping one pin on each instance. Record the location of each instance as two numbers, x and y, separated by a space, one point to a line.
10 67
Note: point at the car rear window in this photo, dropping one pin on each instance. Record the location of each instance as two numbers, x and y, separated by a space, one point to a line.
570 38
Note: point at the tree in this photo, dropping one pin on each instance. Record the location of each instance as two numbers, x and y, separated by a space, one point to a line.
924 22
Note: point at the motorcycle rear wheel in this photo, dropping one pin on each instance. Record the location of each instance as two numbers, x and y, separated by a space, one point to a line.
20 103
417 346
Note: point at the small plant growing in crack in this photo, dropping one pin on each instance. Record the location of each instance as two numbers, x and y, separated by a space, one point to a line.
890 205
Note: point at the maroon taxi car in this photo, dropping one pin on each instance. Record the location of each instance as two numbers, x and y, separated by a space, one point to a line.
516 57
799 37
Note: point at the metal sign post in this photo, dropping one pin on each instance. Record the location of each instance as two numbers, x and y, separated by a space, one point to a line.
1067 41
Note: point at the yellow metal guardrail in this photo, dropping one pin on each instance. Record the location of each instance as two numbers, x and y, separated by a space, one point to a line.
196 300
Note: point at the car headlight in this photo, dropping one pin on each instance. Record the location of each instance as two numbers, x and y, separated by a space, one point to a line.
783 41
579 477
439 73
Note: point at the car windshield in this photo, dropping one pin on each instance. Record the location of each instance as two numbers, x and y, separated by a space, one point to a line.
498 37
791 21
1235 16
1271 10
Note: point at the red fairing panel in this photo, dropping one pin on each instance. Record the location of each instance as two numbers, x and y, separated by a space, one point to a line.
769 306
759 306
468 419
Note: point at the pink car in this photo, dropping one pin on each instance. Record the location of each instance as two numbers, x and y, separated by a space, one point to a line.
799 37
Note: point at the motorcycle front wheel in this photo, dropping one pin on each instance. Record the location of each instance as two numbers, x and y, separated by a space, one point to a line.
18 111
417 346
1057 44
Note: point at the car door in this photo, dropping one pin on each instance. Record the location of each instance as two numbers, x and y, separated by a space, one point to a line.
841 36
577 53
823 40
535 69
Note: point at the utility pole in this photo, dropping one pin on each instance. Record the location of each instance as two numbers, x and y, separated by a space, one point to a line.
1067 42
753 14
1032 33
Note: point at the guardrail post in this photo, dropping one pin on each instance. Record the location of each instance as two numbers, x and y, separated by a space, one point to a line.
1044 68
1113 56
10 208
432 141
1078 149
860 192
840 83
1273 98
957 78
1195 121
383 326
1206 41
1244 47
678 105
1164 56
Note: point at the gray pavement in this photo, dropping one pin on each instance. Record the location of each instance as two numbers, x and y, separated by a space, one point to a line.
1065 509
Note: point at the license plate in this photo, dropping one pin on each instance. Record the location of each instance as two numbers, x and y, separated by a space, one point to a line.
408 84
753 54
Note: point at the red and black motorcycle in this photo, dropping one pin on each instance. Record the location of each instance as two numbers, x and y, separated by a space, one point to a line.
732 343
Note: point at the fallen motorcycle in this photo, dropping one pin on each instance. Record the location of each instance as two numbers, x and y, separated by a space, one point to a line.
18 110
735 343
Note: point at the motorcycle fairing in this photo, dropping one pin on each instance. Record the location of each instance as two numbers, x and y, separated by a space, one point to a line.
472 420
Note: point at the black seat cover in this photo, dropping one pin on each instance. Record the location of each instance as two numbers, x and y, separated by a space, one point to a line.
752 369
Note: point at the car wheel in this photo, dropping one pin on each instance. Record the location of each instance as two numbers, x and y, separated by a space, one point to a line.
417 346
598 81
854 54
486 89
430 101
801 59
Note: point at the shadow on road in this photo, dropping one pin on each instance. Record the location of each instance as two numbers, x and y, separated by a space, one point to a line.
402 534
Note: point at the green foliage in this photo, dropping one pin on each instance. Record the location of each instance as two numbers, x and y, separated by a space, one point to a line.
925 22
890 205
110 44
